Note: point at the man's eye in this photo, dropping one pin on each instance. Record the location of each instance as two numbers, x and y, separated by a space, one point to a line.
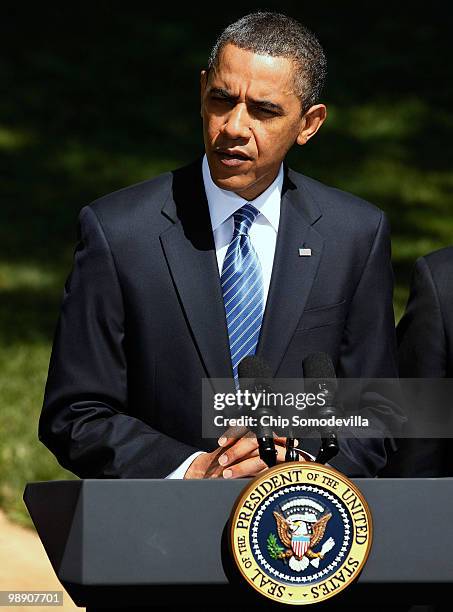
265 112
222 100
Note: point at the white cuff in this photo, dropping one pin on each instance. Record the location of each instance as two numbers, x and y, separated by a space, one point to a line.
181 470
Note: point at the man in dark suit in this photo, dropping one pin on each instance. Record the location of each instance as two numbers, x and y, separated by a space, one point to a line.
146 315
425 336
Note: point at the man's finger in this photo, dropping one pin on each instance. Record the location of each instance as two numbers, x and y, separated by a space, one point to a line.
248 467
232 434
235 433
280 448
282 440
238 451
281 453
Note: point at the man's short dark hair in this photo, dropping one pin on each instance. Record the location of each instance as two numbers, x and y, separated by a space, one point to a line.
278 35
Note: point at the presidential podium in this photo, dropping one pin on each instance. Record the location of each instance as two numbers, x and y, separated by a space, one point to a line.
127 543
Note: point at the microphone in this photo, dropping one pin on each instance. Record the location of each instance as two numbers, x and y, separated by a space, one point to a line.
256 369
319 366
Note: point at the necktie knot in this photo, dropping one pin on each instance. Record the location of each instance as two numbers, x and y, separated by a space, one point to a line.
244 218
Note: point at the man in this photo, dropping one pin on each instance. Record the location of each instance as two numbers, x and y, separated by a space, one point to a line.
425 336
180 277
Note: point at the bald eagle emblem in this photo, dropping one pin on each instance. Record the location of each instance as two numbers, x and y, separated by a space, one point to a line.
301 526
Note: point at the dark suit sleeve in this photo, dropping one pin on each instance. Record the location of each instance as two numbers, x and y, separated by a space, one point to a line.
368 350
84 419
421 336
422 354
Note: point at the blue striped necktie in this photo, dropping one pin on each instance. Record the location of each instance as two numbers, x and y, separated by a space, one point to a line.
242 288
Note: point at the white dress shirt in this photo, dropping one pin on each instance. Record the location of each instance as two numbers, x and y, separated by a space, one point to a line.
263 236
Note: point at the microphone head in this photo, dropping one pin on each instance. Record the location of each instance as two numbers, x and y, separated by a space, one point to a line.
319 365
254 367
255 375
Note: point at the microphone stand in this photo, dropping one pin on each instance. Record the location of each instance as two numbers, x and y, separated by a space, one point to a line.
268 452
328 449
291 452
329 443
266 444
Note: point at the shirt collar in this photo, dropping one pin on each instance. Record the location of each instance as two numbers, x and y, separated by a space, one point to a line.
223 204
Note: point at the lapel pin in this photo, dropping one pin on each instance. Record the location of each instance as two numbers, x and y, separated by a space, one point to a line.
304 252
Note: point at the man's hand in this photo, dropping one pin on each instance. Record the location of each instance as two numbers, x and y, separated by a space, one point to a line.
237 457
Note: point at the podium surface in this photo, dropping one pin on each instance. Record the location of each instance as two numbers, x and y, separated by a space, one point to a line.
129 540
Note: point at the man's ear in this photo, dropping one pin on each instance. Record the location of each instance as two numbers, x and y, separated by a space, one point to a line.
311 123
203 84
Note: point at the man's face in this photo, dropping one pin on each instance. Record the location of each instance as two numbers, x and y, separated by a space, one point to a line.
251 118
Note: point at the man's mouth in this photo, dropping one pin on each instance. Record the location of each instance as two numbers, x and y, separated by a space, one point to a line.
231 157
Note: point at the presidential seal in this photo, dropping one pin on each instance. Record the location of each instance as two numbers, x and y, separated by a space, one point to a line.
300 533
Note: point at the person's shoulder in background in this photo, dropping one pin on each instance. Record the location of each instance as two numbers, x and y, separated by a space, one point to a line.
426 328
425 335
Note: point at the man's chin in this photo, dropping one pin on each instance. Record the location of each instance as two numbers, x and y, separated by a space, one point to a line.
235 183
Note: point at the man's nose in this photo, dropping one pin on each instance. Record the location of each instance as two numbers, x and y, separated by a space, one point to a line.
237 124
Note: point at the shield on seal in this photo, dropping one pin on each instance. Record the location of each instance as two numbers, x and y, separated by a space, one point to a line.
299 544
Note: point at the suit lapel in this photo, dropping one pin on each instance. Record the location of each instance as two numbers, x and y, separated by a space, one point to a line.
292 274
189 249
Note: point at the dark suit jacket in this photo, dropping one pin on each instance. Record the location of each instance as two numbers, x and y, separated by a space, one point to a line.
425 337
143 321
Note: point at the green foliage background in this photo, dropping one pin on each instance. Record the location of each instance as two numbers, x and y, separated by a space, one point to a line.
100 98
